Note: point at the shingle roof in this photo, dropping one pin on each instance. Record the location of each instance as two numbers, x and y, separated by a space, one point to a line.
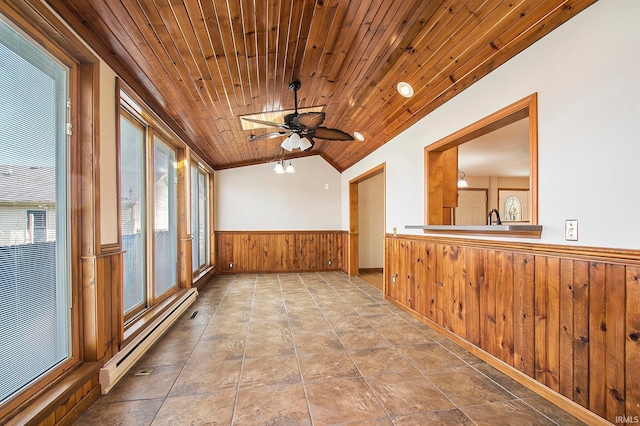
24 184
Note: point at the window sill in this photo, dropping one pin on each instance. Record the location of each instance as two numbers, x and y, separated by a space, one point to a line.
202 275
35 410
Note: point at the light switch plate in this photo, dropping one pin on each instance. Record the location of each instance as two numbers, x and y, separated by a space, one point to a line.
571 230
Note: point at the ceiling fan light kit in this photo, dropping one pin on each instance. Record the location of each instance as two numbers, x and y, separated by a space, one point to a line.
289 168
280 168
301 128
358 136
295 141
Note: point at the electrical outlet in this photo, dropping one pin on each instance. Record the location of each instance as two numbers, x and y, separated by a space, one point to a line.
230 265
571 230
330 262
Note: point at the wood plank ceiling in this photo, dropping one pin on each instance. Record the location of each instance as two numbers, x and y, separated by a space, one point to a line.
203 63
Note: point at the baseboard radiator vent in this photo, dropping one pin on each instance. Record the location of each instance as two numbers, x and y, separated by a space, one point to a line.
117 366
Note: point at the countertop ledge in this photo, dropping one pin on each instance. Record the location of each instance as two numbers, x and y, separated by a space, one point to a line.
508 230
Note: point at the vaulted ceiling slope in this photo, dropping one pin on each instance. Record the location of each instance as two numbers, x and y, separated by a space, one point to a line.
203 63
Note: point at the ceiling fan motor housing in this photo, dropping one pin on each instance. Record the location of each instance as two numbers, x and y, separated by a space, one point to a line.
294 85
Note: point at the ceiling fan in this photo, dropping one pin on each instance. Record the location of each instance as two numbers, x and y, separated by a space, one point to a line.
300 128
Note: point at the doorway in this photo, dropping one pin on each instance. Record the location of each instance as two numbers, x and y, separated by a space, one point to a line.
472 207
367 226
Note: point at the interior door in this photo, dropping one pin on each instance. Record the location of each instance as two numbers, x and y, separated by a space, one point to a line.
472 207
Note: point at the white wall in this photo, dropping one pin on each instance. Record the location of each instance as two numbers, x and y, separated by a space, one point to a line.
371 222
255 198
108 165
586 74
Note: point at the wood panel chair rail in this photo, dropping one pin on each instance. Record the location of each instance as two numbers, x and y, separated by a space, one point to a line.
568 320
281 251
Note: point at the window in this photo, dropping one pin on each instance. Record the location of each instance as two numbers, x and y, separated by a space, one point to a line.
148 207
165 242
35 284
133 201
199 218
37 226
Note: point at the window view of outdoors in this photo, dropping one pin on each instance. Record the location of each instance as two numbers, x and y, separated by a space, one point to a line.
132 203
34 277
165 230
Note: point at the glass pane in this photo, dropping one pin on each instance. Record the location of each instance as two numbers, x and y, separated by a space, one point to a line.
202 219
195 263
164 213
132 205
34 250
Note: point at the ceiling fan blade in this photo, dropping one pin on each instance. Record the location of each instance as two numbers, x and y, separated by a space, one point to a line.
265 123
310 120
331 134
267 136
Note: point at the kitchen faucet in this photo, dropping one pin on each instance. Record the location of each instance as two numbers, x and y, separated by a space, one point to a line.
498 221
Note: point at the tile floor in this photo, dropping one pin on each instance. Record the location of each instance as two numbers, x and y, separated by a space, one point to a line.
313 348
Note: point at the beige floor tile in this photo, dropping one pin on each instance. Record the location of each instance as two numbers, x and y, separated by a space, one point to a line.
317 342
260 316
233 331
341 401
506 414
434 418
553 412
357 360
378 321
133 387
465 386
374 361
258 349
209 377
225 349
429 356
268 328
361 339
266 371
215 409
273 336
385 421
505 381
337 310
272 405
371 309
403 394
403 335
348 322
310 326
326 365
463 354
167 352
139 413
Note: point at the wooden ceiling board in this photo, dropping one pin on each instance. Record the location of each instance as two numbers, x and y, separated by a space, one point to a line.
202 64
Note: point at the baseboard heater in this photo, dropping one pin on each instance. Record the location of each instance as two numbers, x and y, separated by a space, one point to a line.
117 366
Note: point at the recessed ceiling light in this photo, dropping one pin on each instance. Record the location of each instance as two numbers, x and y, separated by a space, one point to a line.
358 136
405 89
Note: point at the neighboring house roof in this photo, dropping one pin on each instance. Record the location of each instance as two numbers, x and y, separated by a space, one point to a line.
24 184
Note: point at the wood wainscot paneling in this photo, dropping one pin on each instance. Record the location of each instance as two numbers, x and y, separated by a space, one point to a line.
281 251
562 320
